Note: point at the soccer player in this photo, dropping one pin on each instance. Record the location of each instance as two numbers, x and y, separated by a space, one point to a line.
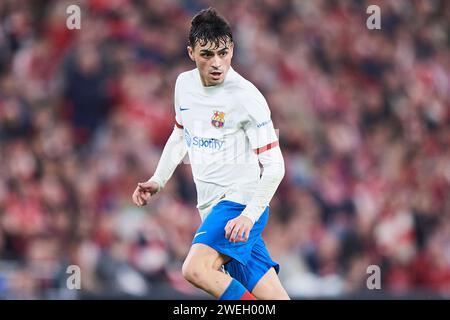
223 122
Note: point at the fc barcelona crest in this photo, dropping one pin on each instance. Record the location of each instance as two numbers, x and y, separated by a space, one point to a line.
218 119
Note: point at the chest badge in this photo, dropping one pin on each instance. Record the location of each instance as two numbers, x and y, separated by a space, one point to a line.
218 119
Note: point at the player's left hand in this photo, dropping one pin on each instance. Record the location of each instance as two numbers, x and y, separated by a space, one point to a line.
238 229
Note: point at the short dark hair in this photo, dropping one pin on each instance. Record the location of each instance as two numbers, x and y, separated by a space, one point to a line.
209 26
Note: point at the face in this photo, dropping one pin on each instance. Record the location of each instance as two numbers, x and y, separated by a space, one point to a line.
212 62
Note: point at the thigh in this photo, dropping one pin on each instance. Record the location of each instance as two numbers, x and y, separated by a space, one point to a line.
253 271
200 253
269 287
212 231
202 268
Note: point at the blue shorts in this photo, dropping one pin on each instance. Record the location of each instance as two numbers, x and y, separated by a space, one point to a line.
250 260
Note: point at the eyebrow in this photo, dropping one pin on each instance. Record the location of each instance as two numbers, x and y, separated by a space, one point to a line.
208 50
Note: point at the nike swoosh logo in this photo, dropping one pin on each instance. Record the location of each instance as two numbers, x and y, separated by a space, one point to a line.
199 233
183 109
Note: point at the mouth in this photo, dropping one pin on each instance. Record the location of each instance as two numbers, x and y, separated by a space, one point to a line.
216 74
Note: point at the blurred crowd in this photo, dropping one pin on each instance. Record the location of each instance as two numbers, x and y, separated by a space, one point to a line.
363 118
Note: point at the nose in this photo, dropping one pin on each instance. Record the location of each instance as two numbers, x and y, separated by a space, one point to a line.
216 61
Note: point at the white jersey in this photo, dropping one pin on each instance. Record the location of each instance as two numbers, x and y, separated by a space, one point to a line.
223 126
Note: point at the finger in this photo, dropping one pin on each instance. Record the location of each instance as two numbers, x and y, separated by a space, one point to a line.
234 235
142 201
247 234
145 186
136 199
229 229
242 235
146 196
142 187
248 230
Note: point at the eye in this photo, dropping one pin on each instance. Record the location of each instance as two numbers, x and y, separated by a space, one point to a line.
223 53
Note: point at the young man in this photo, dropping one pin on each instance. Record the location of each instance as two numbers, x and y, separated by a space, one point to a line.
223 122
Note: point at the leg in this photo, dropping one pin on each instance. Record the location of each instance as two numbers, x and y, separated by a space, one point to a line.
211 249
202 269
269 287
259 275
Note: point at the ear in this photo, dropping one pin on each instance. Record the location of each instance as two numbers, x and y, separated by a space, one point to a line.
191 53
231 49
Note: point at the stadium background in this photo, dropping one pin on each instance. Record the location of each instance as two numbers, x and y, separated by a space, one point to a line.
364 123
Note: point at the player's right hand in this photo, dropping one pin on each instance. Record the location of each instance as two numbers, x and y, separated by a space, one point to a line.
144 191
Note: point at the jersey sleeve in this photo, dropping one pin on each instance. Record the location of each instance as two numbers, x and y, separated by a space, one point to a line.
259 127
176 103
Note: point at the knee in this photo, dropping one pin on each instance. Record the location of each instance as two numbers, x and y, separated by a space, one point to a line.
193 272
